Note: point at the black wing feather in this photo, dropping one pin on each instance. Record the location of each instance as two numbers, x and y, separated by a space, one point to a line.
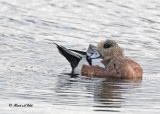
79 52
70 56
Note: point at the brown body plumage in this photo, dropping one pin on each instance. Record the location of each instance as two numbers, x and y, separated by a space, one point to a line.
116 64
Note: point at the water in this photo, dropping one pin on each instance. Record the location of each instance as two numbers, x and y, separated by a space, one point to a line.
32 70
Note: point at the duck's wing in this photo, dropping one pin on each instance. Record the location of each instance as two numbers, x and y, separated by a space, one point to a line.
79 52
91 50
69 55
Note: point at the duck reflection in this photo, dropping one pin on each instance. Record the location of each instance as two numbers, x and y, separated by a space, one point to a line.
108 94
101 94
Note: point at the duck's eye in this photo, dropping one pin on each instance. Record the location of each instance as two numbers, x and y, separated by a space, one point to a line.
107 46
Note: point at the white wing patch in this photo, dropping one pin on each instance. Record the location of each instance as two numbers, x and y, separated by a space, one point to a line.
97 62
78 69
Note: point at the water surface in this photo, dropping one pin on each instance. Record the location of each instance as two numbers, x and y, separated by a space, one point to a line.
33 72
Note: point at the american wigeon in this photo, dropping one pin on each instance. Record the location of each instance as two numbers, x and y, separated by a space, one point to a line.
105 60
78 58
116 64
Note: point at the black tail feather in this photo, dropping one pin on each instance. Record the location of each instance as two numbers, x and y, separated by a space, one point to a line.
70 56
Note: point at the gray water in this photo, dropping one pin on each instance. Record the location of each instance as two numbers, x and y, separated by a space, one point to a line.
33 72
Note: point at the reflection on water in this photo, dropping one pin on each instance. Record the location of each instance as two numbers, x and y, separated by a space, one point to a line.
32 71
108 95
102 94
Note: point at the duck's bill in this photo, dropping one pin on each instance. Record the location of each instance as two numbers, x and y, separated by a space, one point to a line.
95 55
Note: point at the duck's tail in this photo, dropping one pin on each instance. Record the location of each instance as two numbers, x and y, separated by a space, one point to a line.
70 56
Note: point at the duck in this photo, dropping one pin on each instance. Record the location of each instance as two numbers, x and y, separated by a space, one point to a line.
116 64
78 58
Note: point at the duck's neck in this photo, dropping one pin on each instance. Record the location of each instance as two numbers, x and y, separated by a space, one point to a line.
107 60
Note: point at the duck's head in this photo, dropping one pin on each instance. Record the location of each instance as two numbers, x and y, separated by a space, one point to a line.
108 49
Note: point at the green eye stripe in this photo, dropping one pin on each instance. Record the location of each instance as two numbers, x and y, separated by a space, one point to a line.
108 44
